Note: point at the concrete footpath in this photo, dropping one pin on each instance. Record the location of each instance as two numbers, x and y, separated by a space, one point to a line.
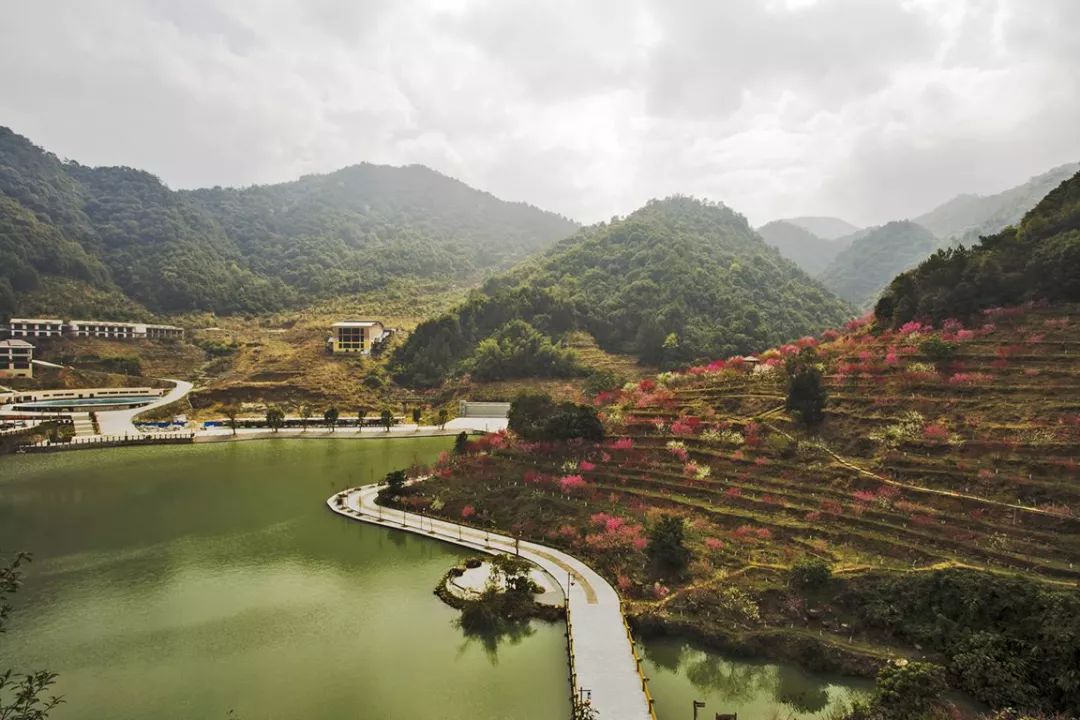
604 664
119 423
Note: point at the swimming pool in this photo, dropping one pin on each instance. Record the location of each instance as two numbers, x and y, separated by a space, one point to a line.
91 402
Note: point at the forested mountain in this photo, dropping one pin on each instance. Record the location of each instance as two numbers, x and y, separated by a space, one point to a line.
677 281
876 255
796 243
1037 260
250 250
966 217
827 228
860 271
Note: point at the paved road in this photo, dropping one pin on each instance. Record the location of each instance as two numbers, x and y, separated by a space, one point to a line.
455 426
119 422
603 655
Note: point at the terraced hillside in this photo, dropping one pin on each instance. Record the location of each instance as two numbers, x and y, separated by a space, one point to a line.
947 469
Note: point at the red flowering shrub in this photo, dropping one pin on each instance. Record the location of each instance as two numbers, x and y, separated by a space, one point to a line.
468 511
570 483
586 466
935 432
831 507
618 536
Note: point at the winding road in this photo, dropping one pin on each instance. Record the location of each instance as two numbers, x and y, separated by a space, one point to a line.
604 660
120 422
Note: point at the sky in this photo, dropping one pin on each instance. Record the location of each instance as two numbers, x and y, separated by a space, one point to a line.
869 110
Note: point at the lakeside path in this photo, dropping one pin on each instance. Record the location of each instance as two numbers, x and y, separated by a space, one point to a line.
119 423
603 656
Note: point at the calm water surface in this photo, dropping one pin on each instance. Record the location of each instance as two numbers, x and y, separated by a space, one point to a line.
185 582
679 673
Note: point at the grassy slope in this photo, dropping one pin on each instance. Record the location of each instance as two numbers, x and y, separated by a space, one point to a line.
997 491
281 358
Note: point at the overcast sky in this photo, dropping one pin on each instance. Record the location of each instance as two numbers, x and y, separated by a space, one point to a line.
870 110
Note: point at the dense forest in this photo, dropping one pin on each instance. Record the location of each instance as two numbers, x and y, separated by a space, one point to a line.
252 250
677 281
1037 260
861 270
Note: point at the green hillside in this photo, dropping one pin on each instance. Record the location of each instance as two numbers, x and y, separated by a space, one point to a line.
1037 260
860 271
676 281
937 499
810 252
263 248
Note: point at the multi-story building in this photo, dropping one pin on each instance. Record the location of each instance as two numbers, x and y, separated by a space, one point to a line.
356 336
16 358
158 332
35 328
121 330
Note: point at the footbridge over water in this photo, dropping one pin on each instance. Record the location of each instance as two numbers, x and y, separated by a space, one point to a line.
604 665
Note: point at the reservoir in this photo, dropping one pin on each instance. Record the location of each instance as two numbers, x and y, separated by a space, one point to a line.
198 581
188 582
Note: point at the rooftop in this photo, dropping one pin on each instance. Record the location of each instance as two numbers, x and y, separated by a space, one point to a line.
54 321
15 344
356 323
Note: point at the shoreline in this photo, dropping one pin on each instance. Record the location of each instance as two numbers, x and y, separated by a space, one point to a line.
601 653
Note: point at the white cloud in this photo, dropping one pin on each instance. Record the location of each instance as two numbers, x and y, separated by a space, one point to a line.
868 109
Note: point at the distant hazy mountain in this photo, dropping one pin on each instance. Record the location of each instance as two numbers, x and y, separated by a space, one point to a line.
966 217
1037 259
117 229
860 271
675 282
827 228
796 243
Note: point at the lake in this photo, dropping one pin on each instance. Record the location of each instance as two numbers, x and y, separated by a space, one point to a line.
199 581
185 582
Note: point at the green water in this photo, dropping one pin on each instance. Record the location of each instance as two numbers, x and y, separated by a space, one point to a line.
185 582
680 673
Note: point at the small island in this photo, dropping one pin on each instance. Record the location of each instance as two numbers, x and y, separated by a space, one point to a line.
493 593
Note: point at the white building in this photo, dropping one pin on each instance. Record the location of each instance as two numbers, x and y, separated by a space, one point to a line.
112 330
35 327
356 336
16 358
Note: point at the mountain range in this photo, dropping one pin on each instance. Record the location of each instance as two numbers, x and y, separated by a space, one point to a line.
676 281
858 265
121 230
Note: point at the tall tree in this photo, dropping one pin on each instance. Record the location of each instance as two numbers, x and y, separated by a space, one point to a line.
666 548
806 396
331 418
275 417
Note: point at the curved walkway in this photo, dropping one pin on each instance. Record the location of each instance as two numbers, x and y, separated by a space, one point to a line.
119 422
603 658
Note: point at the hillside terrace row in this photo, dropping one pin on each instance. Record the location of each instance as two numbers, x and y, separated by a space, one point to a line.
22 328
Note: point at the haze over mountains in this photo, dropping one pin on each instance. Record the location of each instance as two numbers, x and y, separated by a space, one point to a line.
857 265
120 230
121 235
